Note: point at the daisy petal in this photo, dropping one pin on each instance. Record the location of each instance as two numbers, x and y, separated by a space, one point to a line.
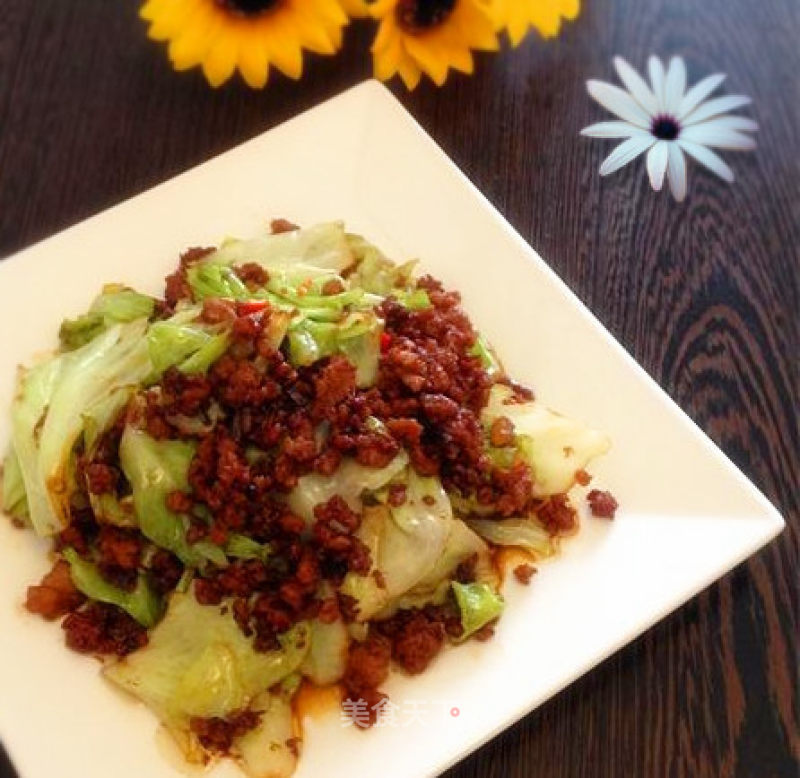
612 130
732 123
676 171
619 102
674 85
708 159
636 85
716 106
657 164
699 92
656 70
710 134
626 152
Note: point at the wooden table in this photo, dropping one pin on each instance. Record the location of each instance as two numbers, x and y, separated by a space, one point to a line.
704 295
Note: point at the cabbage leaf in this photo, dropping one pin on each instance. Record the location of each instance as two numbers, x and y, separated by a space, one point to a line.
155 468
115 304
522 533
199 663
554 446
142 603
349 481
479 604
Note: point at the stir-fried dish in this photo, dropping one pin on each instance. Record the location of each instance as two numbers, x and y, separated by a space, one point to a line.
296 468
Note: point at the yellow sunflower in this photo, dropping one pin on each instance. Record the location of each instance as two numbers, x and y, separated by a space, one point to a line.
430 36
221 35
518 16
355 8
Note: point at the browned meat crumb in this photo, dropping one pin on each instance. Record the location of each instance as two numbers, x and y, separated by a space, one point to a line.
602 504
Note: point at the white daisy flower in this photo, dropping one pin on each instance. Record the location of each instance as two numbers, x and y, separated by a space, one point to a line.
665 120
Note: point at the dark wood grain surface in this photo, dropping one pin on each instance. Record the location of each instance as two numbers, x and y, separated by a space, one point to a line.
705 295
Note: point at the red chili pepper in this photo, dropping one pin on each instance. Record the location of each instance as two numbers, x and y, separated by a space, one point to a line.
386 341
246 307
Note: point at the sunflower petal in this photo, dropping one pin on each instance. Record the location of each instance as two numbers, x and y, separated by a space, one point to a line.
716 106
676 171
189 49
626 152
619 102
254 64
636 85
220 62
387 61
699 92
152 9
432 59
475 27
657 164
284 49
410 72
708 159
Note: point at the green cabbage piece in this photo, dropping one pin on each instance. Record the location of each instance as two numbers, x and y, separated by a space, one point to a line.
405 543
155 468
357 336
322 248
263 751
375 273
48 414
211 279
142 603
490 362
110 509
326 660
14 500
349 481
116 304
433 588
243 547
554 446
199 663
101 415
479 604
414 299
523 533
191 347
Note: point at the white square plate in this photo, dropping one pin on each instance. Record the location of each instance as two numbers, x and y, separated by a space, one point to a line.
687 516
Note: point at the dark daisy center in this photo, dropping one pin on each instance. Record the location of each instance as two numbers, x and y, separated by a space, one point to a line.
417 15
665 128
247 7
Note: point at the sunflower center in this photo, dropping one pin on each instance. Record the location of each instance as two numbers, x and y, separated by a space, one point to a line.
247 7
417 15
665 128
